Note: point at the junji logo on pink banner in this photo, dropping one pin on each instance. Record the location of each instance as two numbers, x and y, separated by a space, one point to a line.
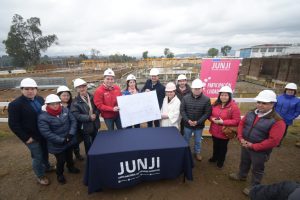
218 72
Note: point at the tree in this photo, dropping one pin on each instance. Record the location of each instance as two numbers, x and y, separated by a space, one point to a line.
95 54
225 50
168 53
82 57
145 54
25 41
212 52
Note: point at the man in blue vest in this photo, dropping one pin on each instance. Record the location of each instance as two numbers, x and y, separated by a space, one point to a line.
259 132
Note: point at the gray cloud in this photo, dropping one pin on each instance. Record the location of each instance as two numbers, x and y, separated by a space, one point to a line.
134 26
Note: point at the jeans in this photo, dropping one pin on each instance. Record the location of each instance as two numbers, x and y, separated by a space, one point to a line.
156 123
45 153
111 122
197 137
88 140
62 158
37 158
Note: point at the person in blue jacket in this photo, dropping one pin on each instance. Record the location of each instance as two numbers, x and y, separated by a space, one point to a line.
58 126
288 105
131 88
154 84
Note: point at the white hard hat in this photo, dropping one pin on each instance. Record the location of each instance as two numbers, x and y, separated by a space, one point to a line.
62 89
28 82
266 96
181 77
109 72
226 89
154 72
130 77
197 83
79 82
52 98
291 86
170 87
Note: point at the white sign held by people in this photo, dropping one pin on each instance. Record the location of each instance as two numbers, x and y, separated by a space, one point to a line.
138 108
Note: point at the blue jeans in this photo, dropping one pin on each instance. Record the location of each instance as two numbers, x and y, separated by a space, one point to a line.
156 123
88 140
111 122
197 137
38 165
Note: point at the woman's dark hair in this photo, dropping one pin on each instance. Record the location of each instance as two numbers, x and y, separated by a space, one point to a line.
127 85
70 100
218 101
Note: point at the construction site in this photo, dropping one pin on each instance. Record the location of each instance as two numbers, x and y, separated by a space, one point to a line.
255 74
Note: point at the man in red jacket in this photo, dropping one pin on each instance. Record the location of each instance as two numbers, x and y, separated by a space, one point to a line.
105 98
259 132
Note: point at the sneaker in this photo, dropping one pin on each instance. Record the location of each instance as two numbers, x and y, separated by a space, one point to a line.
212 160
51 168
220 165
236 177
297 144
43 180
198 156
246 191
61 179
74 170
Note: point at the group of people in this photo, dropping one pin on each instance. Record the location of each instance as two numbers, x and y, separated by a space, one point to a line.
58 124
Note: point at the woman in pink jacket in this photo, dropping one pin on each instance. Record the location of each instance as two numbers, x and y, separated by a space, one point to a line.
225 112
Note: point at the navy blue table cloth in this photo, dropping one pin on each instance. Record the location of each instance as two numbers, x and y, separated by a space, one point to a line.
127 157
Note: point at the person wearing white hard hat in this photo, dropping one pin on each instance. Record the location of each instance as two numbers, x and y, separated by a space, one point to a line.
58 126
105 98
87 115
195 109
154 84
225 112
170 111
288 105
131 88
182 89
258 133
23 114
65 96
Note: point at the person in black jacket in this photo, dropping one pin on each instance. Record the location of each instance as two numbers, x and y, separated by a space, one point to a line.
86 113
154 84
182 89
195 108
22 120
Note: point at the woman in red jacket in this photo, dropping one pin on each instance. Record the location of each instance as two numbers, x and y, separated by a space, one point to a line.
225 112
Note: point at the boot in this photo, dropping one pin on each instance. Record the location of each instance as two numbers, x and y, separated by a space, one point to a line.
78 156
61 179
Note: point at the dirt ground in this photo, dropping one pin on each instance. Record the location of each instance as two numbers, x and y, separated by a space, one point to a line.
17 180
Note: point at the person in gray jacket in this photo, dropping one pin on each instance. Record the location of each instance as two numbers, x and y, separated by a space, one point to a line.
58 126
86 114
195 108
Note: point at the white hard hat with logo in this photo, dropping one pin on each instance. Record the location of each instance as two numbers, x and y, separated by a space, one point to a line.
226 89
154 72
109 72
52 98
291 86
28 82
197 83
62 89
130 77
181 77
266 96
79 82
170 87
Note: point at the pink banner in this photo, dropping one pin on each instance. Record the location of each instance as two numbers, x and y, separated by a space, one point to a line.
218 72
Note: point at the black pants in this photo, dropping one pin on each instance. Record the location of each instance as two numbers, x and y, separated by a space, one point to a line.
156 123
219 150
62 158
182 127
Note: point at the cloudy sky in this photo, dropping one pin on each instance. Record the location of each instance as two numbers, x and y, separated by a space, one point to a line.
134 26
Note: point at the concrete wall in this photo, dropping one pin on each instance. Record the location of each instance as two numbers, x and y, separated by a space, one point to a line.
42 82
